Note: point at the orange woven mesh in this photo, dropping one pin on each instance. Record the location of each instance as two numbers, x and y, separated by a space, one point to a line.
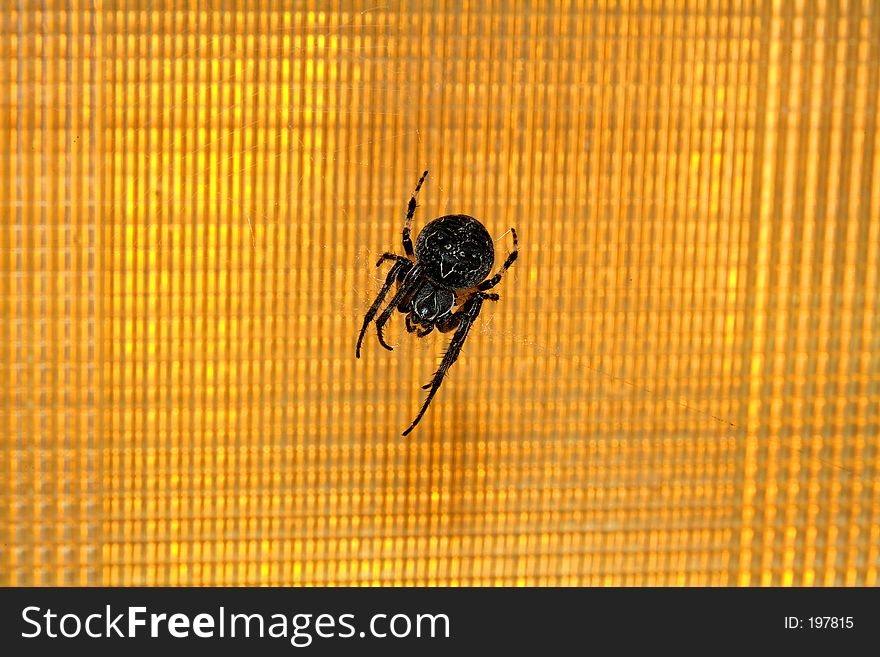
679 384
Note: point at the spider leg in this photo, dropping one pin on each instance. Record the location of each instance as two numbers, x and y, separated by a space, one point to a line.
492 282
463 319
391 256
452 322
393 273
410 212
407 290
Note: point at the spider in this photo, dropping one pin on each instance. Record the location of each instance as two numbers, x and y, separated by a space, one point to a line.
448 267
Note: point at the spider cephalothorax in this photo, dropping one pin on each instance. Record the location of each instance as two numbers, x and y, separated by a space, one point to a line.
446 270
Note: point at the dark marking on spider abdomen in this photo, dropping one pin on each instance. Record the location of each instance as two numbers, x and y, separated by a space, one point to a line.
455 251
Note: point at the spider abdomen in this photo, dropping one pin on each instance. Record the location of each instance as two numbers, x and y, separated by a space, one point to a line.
455 251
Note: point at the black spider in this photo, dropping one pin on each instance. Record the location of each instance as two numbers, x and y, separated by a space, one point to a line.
452 257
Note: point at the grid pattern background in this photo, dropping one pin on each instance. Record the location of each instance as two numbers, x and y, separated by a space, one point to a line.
679 385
